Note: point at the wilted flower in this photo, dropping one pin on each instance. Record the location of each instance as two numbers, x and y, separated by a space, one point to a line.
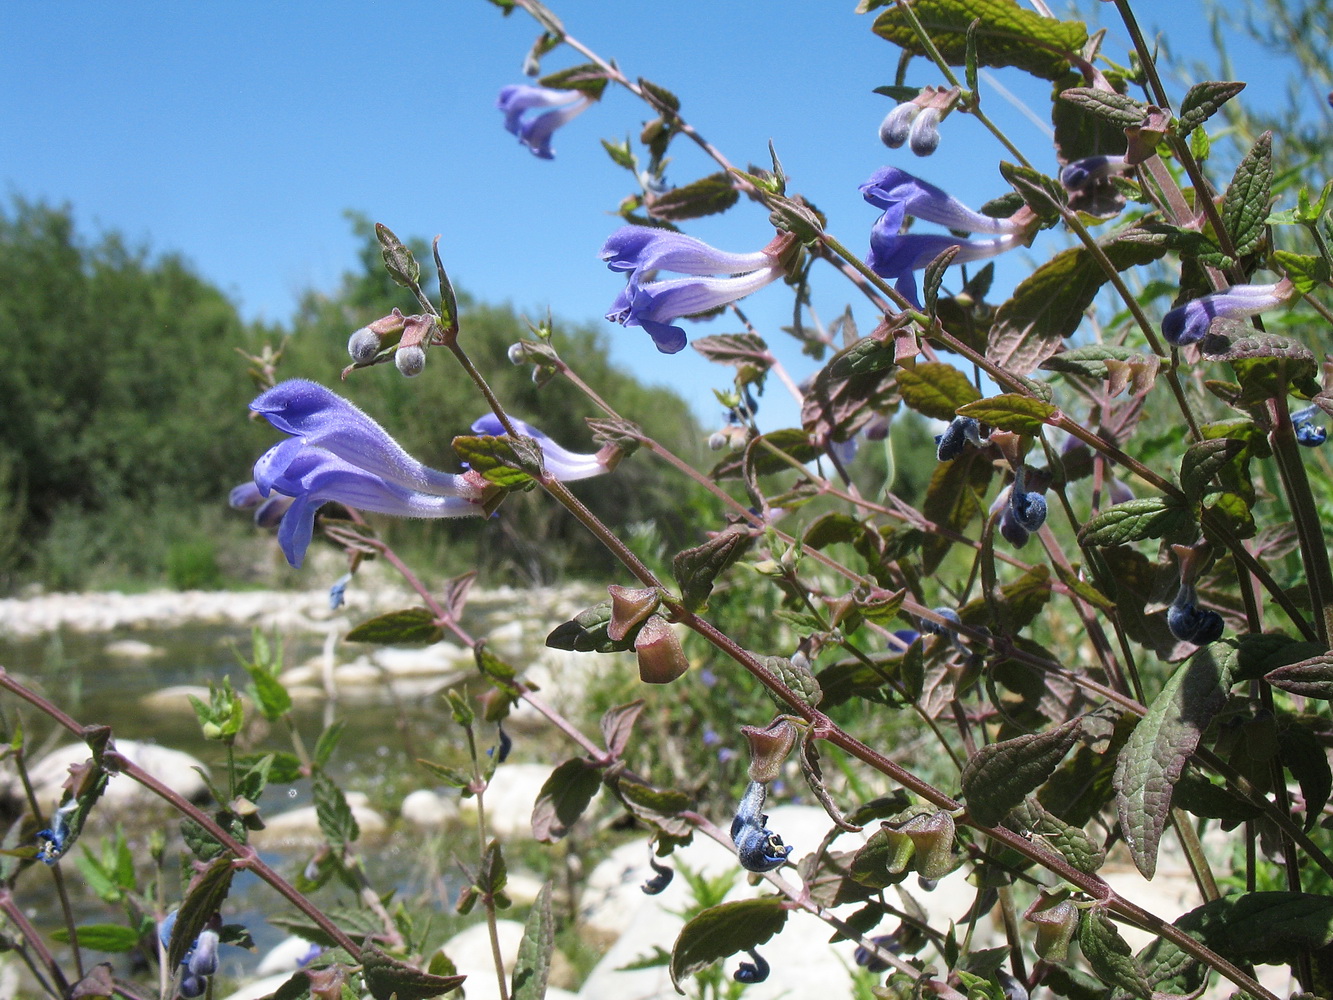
754 971
338 453
661 878
1308 433
1024 511
652 305
535 131
759 849
895 254
1189 323
1190 623
560 462
54 841
955 438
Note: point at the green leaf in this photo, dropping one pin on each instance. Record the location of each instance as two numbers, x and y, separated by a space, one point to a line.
102 937
1312 678
503 460
871 865
1089 361
493 875
954 499
328 742
1304 756
452 776
1044 195
409 625
1010 412
587 78
586 633
202 901
757 460
532 967
1070 841
707 196
1109 954
336 820
867 356
398 259
1203 461
935 389
500 673
722 931
1268 366
1203 101
999 776
1050 303
1151 762
563 798
1008 35
1187 242
1120 110
736 349
934 276
1245 206
269 693
1306 271
1133 520
388 977
697 569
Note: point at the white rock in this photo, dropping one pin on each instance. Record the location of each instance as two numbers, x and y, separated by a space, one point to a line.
470 951
509 799
132 649
299 828
429 810
259 988
173 768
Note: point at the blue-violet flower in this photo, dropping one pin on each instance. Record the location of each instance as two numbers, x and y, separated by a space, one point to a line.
759 849
754 971
1082 173
1190 623
652 305
560 462
895 254
55 840
535 131
1308 433
1189 323
338 453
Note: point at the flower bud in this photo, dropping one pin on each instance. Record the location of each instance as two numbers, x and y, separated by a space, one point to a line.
924 137
1056 923
630 606
661 656
516 354
363 345
411 361
769 748
893 131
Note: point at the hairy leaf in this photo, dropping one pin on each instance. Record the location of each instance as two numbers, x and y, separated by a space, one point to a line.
1133 520
388 977
1245 206
999 776
1007 35
532 968
1110 955
706 196
698 568
1202 462
102 937
1150 763
953 499
618 723
563 797
201 903
935 389
1120 110
397 627
1010 411
738 349
721 931
334 814
586 633
1089 361
1203 101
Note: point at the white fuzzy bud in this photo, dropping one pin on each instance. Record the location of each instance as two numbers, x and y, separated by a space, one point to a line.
410 360
363 345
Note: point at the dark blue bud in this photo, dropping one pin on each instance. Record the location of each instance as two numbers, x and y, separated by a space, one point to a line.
660 881
1190 624
930 628
192 986
755 971
506 744
1011 530
1029 509
759 849
955 437
869 960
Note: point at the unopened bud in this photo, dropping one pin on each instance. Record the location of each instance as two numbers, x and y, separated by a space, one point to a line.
411 361
769 748
897 124
924 137
363 345
661 656
630 606
516 354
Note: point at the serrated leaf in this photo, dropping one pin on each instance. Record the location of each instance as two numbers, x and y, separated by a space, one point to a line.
503 460
102 937
659 806
1151 761
493 873
1134 520
1248 197
935 389
354 923
409 625
1187 242
1120 110
707 196
999 776
1303 755
532 967
721 931
202 901
452 776
1050 303
1007 34
797 675
836 407
1089 361
1203 461
736 349
587 78
1044 195
617 725
386 977
953 499
1306 271
1203 101
696 569
1070 841
866 356
563 798
934 275
1110 955
336 820
1312 678
328 742
1010 412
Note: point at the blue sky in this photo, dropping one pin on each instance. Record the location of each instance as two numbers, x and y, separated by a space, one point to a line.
237 134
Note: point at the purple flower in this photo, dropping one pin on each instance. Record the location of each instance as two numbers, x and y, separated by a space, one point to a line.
560 462
895 254
1189 323
338 453
1082 173
535 131
652 305
268 512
